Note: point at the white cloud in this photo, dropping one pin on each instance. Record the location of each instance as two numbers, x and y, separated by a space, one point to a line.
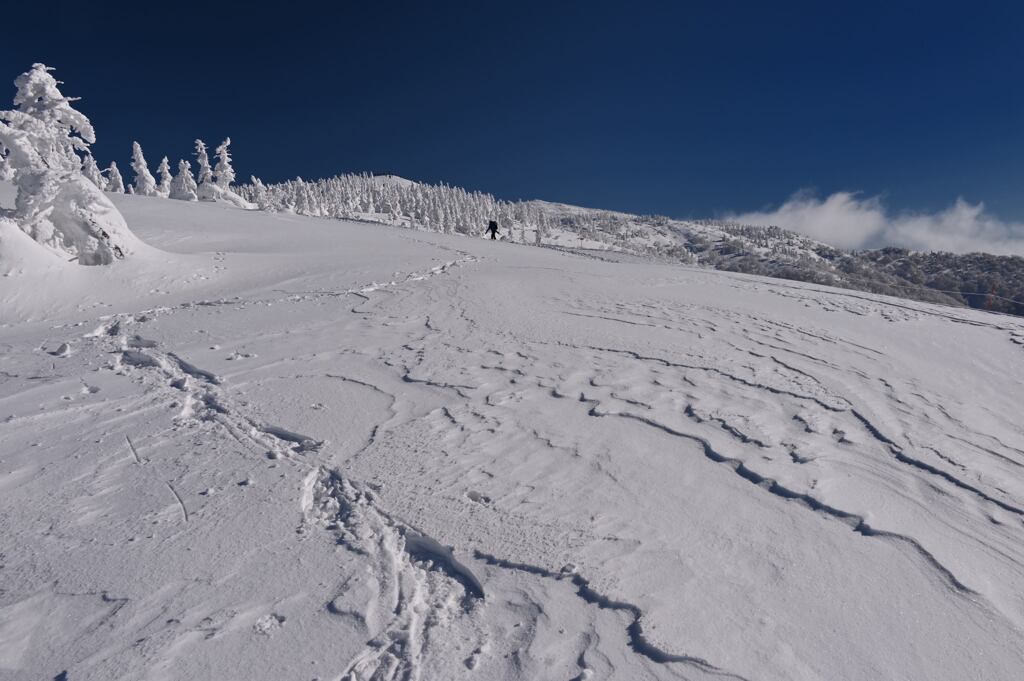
847 220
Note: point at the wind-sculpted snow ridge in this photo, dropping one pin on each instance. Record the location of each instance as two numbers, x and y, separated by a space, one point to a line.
902 457
747 414
898 453
637 641
855 522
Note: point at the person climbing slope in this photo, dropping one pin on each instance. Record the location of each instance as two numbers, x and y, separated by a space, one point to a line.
492 227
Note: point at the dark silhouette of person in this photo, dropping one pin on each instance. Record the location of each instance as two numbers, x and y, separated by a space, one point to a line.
492 227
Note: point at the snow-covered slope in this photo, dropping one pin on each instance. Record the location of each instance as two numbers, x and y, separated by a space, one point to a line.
247 454
982 281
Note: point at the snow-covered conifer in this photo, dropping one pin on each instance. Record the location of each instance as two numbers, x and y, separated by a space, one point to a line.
145 184
183 186
44 133
203 160
92 172
259 194
301 197
224 173
115 183
56 205
164 171
207 189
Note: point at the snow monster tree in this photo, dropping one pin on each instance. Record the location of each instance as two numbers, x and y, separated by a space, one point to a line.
56 204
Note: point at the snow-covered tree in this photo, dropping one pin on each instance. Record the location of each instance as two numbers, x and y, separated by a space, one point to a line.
115 183
145 184
203 161
259 194
387 199
44 132
164 171
92 172
224 173
183 186
208 189
56 205
303 199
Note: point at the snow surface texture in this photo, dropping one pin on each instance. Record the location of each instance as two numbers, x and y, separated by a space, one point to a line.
292 448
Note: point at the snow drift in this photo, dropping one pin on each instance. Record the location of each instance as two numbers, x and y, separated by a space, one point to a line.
72 217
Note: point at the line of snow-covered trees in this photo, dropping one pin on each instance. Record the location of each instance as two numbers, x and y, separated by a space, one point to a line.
389 200
213 183
60 204
434 207
452 210
437 208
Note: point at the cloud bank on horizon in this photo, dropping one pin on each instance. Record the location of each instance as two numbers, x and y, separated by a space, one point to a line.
849 220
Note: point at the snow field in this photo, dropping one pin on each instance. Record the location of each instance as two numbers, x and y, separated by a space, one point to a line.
284 447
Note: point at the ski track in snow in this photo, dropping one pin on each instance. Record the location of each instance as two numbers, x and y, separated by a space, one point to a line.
409 601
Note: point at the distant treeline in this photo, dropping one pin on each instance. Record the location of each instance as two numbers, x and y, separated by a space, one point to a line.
977 280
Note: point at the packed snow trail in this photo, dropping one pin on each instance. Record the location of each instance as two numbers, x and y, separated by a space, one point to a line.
296 448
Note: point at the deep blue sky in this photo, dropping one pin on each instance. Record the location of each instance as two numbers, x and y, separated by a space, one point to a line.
674 108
